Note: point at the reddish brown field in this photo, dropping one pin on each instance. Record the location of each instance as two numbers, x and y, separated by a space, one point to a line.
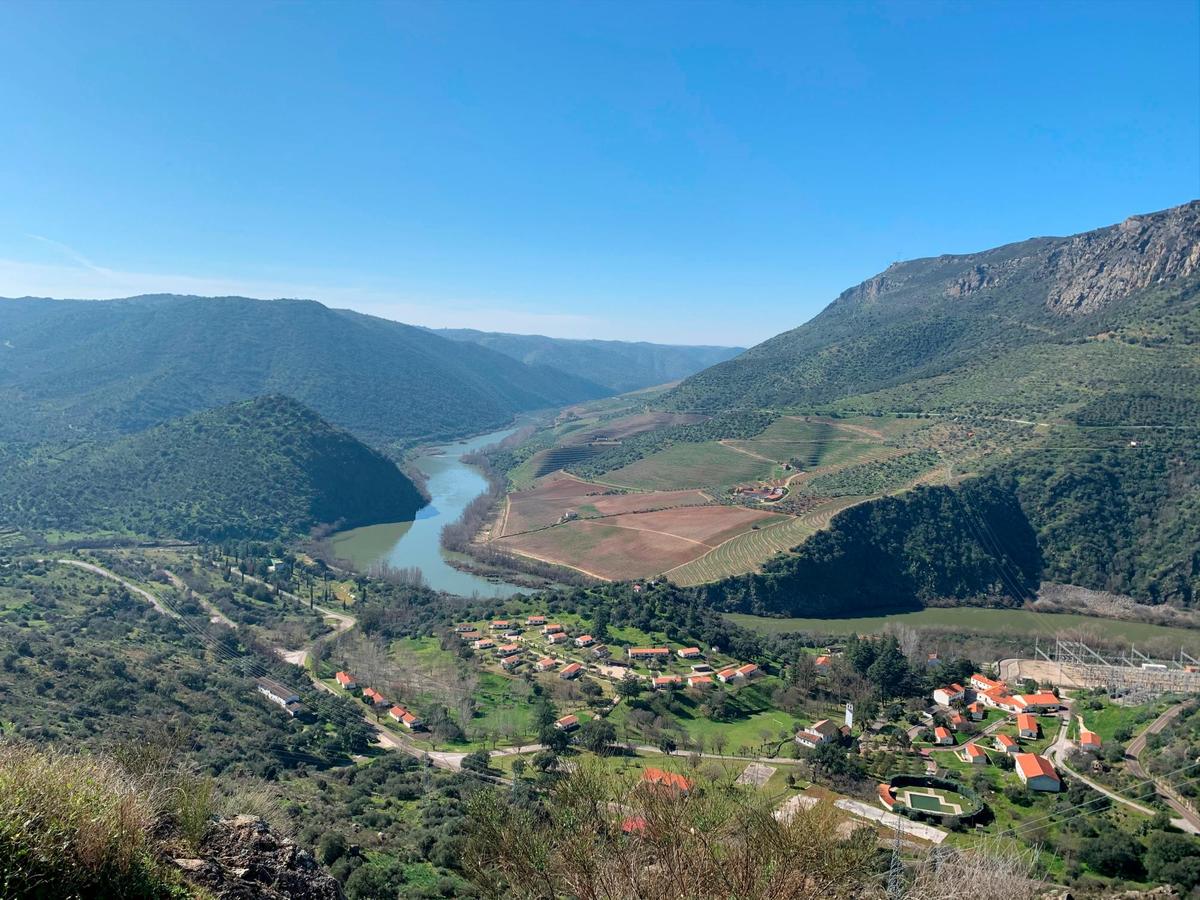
545 504
637 545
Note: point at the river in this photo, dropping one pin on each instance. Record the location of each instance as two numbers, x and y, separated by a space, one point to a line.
451 484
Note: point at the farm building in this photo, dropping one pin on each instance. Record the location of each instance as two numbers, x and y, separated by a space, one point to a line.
571 671
1027 726
649 652
944 696
660 778
1036 773
821 732
346 680
970 753
281 696
1007 744
749 670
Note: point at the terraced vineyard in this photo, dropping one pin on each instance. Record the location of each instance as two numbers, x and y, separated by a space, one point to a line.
561 457
747 552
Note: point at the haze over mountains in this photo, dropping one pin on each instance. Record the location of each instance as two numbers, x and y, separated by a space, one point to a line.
620 366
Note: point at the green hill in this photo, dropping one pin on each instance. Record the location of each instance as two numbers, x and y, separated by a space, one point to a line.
252 469
1045 327
1095 336
620 366
77 367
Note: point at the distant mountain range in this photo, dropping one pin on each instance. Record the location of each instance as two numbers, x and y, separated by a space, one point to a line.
1094 325
619 366
97 367
251 469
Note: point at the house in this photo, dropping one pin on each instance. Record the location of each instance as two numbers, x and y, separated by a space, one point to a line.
281 696
817 733
552 628
1006 743
571 671
471 635
727 675
1027 726
501 625
1089 741
559 637
975 711
567 723
749 670
822 663
405 717
600 651
1043 701
511 662
508 649
944 696
545 664
699 681
373 697
484 644
956 721
464 627
970 753
346 680
584 640
666 682
942 737
649 652
660 778
932 661
688 653
1001 699
536 620
1036 773
982 683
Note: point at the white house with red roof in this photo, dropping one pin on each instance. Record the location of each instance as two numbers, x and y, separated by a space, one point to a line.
945 696
971 753
1027 726
546 663
570 671
942 737
346 680
1089 741
567 723
1037 773
1006 743
688 653
584 640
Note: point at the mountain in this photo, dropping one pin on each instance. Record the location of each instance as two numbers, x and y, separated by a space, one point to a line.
250 469
104 367
620 366
1046 326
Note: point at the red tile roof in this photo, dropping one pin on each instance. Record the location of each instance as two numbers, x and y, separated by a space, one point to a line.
1032 765
666 779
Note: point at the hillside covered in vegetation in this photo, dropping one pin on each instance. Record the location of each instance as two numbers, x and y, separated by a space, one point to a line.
256 468
72 367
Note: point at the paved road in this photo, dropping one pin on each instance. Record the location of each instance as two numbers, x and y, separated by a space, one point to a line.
1133 758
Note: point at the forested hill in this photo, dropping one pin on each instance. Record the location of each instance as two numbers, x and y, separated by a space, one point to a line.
618 365
1044 326
253 469
97 368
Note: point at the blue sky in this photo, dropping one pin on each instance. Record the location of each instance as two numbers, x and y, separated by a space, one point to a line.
681 172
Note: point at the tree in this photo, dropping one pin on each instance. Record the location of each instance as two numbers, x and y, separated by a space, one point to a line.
596 735
666 743
477 761
1174 859
889 672
630 686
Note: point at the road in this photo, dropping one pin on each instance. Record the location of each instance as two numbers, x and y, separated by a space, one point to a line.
128 585
1133 758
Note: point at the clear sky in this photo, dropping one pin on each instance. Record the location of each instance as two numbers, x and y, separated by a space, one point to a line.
685 172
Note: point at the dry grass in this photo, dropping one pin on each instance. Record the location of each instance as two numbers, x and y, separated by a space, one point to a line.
73 825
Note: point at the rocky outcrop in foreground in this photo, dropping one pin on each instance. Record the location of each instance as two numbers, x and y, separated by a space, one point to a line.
241 859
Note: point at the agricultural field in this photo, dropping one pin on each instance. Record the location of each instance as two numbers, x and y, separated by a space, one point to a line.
749 550
710 464
638 545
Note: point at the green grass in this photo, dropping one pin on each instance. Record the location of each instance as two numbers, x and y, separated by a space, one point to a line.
975 619
1113 719
707 464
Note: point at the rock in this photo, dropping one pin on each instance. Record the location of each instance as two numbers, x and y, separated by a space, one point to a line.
241 859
